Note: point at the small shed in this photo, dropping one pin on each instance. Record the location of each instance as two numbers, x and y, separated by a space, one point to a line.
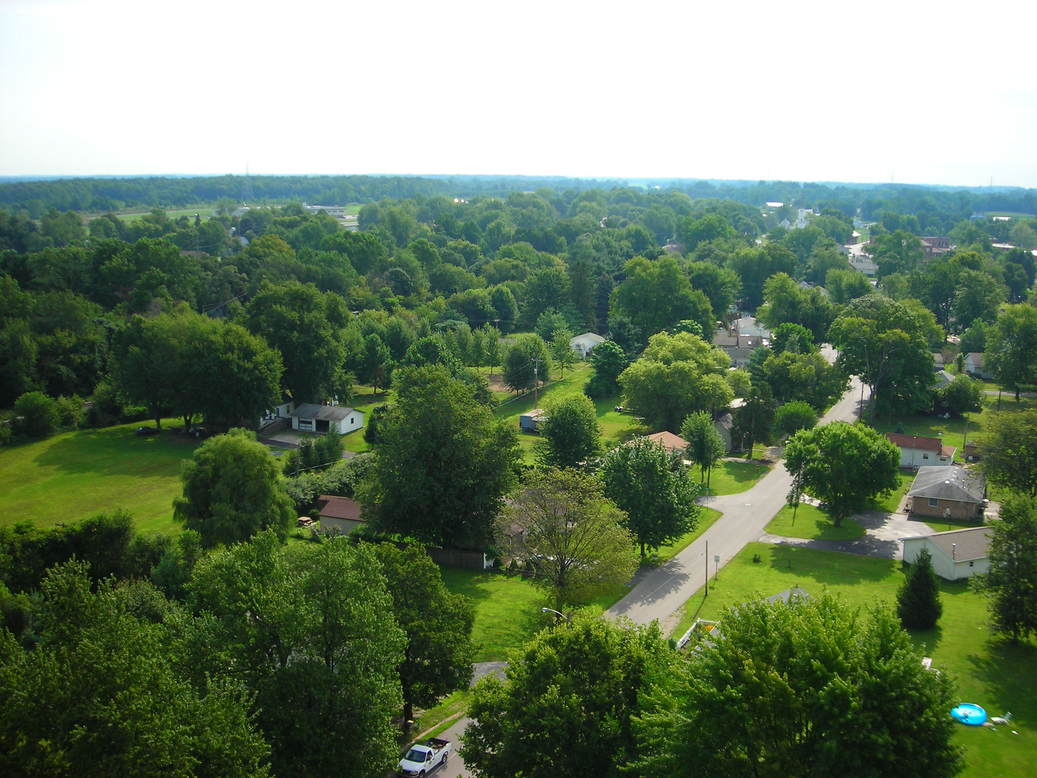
584 344
957 554
310 417
975 365
339 515
948 492
673 443
531 420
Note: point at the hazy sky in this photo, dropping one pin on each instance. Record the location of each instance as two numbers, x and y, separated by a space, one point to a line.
916 91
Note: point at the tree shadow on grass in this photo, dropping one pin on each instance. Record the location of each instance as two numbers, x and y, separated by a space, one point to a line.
1009 673
119 451
829 567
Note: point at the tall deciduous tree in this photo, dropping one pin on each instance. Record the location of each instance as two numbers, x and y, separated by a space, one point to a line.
100 695
608 360
1011 350
705 446
566 707
1009 446
570 435
233 489
569 535
444 462
1012 579
526 363
306 326
807 686
438 656
843 465
656 295
918 601
310 629
652 487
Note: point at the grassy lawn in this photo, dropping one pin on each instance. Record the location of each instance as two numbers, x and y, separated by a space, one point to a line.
891 502
952 431
173 214
78 474
812 523
507 610
998 676
734 477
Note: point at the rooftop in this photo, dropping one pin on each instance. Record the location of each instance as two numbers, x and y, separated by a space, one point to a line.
333 507
955 483
322 412
962 545
669 440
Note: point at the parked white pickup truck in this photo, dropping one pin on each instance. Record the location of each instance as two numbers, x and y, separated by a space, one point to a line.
423 758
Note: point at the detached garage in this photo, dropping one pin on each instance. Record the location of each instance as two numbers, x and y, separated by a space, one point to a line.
310 417
338 515
960 553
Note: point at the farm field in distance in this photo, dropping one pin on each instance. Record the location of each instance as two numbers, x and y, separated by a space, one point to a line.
74 475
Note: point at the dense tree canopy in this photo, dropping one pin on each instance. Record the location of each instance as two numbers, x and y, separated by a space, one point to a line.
567 702
233 489
849 690
1009 447
444 464
843 465
570 435
1012 580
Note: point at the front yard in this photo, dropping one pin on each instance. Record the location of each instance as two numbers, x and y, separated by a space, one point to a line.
999 676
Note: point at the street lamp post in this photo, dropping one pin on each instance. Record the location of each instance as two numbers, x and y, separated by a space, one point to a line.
559 614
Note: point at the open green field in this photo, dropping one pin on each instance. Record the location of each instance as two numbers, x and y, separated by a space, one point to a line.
203 211
507 610
891 502
999 676
812 523
78 474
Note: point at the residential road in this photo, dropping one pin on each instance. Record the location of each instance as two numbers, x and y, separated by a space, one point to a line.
661 592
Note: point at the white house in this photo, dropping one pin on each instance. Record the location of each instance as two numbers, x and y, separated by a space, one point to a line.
918 451
310 417
957 554
584 344
339 515
974 365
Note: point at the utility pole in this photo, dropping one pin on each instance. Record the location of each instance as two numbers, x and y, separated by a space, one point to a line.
536 379
707 568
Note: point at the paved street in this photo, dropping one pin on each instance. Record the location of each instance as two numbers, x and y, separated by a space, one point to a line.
662 591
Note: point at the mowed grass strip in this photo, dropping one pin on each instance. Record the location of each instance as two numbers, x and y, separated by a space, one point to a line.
79 474
999 676
507 610
730 477
812 523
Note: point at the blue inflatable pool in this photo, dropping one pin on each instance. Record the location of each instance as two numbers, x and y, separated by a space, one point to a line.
969 713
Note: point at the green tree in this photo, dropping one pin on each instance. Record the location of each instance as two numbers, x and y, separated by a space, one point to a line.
881 341
36 415
896 252
607 360
978 296
845 285
1011 351
444 464
569 536
1012 580
146 364
849 689
1009 447
570 436
310 629
567 702
720 285
550 322
785 302
809 377
375 363
438 656
676 375
653 489
526 363
233 489
843 465
918 601
754 421
794 416
100 695
656 295
561 352
503 302
960 396
306 326
705 446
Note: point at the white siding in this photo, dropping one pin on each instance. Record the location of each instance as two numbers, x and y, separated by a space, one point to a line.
915 457
943 565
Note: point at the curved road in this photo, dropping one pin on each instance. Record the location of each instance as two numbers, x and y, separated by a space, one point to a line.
661 592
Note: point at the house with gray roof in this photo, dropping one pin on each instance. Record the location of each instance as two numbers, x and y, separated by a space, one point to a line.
310 417
957 554
948 492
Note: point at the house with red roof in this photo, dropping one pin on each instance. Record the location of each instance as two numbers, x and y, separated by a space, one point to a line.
918 451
